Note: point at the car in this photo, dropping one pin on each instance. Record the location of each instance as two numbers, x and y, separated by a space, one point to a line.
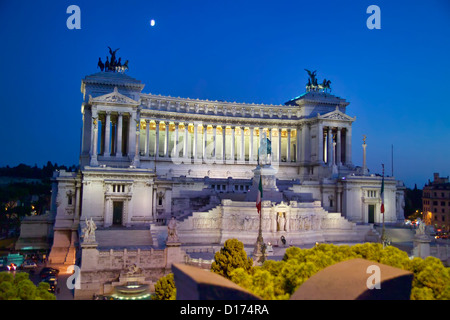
29 264
52 281
11 267
47 271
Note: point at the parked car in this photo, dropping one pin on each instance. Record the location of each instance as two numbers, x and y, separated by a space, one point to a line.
52 281
29 264
46 272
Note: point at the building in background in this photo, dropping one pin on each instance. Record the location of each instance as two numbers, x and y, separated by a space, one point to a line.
436 203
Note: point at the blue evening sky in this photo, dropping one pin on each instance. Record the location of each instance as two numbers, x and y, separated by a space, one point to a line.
396 78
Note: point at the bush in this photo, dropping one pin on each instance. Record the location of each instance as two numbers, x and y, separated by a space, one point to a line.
165 288
231 257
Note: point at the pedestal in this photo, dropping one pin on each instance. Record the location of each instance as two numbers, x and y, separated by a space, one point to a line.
421 246
259 253
89 256
174 254
269 183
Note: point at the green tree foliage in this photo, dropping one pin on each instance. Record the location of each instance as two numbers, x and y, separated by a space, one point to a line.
431 279
165 288
280 279
230 257
20 287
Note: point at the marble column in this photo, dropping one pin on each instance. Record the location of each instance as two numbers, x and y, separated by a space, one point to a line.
288 147
365 171
134 124
166 140
338 147
279 145
320 143
114 136
250 152
157 122
194 144
186 136
329 147
205 141
94 140
233 147
298 135
175 153
348 146
224 146
137 130
147 137
119 151
107 151
102 135
306 144
214 142
242 154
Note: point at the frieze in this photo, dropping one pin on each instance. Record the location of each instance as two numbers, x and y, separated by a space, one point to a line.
113 98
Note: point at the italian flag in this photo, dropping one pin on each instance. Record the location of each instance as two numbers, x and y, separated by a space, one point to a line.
259 196
382 195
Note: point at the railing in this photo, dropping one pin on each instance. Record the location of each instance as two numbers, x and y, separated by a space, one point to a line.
200 263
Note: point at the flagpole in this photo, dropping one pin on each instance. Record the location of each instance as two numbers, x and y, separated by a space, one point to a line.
259 251
383 233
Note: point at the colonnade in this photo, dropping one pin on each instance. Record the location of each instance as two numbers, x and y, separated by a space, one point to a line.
166 139
191 140
335 145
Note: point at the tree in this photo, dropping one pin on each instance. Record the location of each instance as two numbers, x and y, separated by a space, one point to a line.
165 288
280 279
231 257
20 287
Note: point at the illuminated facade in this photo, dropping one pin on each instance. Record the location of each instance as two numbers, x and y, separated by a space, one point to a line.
146 157
436 202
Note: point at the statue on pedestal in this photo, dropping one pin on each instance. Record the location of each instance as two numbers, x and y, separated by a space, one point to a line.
265 151
172 235
89 231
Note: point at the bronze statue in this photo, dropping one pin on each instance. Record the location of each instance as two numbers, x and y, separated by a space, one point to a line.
100 64
107 64
314 85
113 55
312 76
112 64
